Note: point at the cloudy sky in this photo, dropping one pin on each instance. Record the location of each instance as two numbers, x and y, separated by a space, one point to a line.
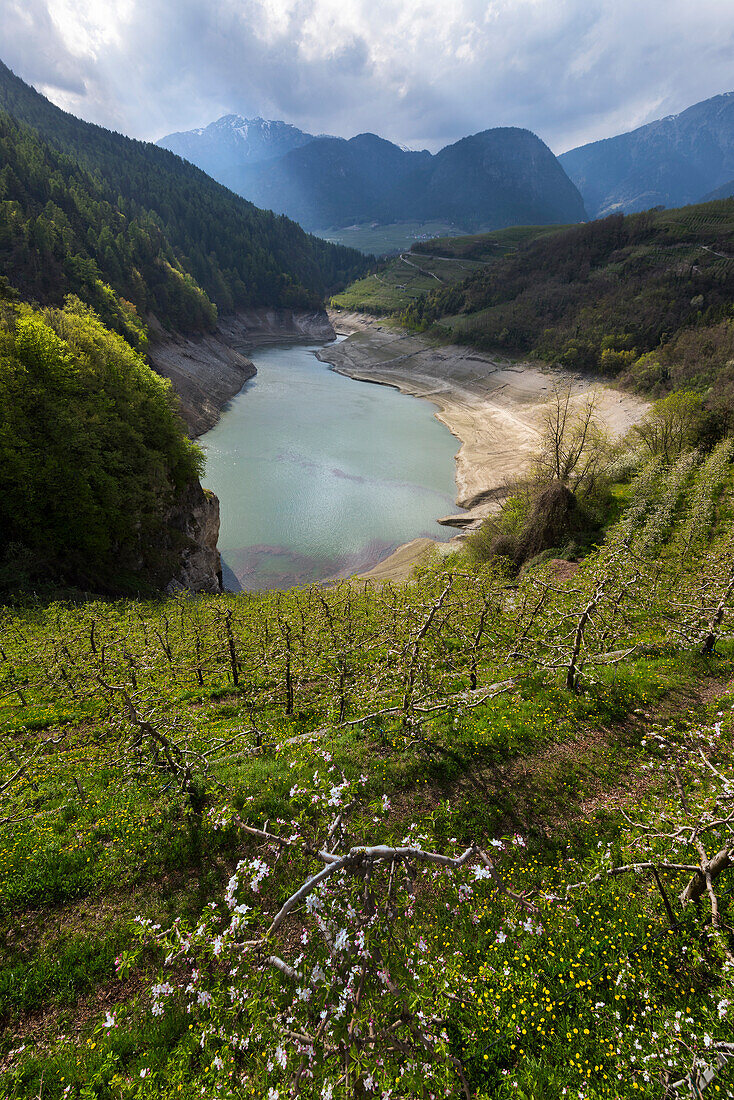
421 72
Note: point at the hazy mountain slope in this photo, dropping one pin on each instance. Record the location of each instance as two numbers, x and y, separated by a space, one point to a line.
726 191
497 178
501 177
221 148
238 255
332 181
671 162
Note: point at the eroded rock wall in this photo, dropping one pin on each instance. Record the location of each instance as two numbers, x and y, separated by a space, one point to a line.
193 526
208 370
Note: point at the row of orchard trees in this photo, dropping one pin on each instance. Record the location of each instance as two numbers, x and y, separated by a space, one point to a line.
320 984
355 653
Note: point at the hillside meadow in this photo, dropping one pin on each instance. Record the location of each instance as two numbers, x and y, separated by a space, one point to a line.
416 840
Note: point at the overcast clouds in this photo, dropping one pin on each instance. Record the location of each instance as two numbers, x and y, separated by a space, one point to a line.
422 72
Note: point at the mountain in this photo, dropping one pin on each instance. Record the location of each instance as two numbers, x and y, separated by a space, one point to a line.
493 179
89 211
675 161
334 182
726 191
223 147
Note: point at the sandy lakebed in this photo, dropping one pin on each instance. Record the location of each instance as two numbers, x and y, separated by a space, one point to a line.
494 406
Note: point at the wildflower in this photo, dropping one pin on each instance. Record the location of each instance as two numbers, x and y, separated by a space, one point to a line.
341 941
313 902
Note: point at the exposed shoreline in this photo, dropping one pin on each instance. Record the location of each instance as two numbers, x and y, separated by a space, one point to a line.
209 369
492 405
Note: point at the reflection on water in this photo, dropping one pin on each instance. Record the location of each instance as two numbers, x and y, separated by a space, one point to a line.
320 476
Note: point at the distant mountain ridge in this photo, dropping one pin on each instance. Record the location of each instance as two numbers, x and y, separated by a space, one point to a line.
673 162
222 147
500 177
726 191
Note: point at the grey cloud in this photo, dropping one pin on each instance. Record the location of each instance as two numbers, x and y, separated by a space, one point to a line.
32 44
571 70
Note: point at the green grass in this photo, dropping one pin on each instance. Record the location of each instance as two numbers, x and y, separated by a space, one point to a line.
403 280
100 830
440 262
385 240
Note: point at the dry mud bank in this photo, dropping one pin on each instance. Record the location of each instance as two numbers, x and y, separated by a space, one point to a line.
494 407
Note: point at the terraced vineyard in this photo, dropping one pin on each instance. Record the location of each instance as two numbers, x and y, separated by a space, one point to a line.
382 840
431 265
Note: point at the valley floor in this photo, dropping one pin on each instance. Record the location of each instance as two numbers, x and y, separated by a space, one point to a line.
493 405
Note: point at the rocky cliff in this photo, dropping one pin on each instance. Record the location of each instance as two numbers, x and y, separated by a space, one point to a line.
208 370
193 528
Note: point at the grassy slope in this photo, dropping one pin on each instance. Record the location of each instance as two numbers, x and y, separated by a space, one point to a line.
91 845
385 240
441 262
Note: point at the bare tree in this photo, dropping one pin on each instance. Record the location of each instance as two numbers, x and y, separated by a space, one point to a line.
575 450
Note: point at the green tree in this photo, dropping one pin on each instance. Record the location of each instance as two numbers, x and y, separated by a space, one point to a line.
671 425
92 452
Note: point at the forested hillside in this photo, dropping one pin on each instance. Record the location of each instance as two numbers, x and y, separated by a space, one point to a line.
80 204
60 233
93 459
645 298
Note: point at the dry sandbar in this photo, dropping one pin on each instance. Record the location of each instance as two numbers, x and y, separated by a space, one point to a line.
493 405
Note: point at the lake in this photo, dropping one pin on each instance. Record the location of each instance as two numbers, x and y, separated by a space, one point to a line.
321 476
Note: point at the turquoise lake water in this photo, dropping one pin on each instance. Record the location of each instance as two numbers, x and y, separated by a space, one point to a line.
321 476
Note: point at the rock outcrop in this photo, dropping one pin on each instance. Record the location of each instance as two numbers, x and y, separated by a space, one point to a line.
254 328
193 527
205 372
